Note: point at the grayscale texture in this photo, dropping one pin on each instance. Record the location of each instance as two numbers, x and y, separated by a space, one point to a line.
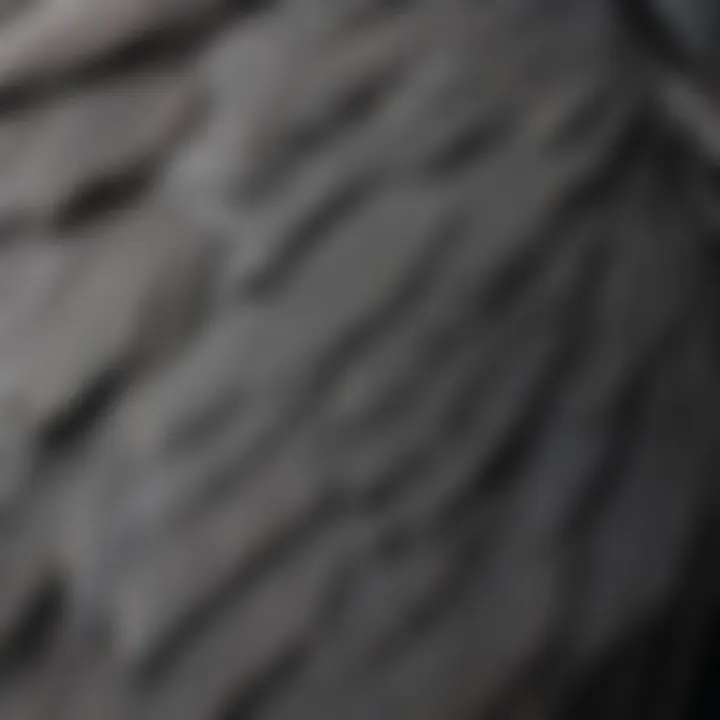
358 361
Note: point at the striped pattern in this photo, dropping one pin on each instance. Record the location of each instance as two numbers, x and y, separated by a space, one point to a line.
358 360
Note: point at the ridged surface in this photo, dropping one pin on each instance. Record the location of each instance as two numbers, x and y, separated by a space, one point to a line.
358 360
